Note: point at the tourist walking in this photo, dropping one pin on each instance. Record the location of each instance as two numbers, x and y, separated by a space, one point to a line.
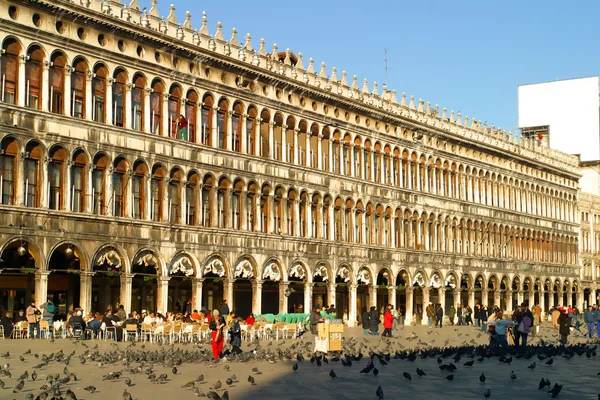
430 314
388 321
439 316
500 325
374 321
216 325
451 314
589 317
564 326
524 320
468 315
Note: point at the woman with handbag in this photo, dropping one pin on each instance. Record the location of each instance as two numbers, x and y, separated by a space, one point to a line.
33 318
216 325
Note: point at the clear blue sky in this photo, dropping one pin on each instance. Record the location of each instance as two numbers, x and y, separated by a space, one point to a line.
467 56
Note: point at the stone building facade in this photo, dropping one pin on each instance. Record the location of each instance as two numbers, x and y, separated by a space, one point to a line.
283 180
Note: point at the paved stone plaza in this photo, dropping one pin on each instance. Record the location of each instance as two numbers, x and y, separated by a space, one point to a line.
578 374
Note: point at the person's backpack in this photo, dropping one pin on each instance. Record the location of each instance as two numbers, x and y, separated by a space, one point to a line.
51 308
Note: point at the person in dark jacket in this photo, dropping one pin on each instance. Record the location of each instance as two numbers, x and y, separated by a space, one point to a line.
235 335
314 319
589 317
564 326
459 314
224 309
439 316
365 321
374 321
6 323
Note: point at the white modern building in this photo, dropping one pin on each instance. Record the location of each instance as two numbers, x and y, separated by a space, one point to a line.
565 113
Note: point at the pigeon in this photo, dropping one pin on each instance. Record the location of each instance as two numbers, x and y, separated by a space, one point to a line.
70 395
24 376
513 376
487 393
420 372
379 392
19 386
555 390
375 371
90 389
332 374
407 376
469 363
128 381
217 385
200 378
251 380
34 376
450 377
174 370
482 378
532 366
295 367
189 385
256 371
213 395
126 395
550 361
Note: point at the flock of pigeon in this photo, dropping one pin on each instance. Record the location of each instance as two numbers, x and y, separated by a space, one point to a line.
143 364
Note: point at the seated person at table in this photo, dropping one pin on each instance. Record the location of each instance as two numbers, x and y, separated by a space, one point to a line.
94 323
111 323
195 316
250 320
76 321
150 319
21 317
6 323
130 321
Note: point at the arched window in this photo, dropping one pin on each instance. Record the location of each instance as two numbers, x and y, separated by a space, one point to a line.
208 188
56 177
158 193
290 213
302 133
251 203
336 148
99 199
302 211
338 219
325 151
8 166
377 163
207 122
156 106
325 218
57 83
265 209
250 131
278 206
174 107
137 102
33 77
99 93
237 127
264 134
78 88
174 207
191 197
222 124
78 181
139 179
119 183
278 137
33 174
9 71
237 209
191 104
118 98
357 158
290 135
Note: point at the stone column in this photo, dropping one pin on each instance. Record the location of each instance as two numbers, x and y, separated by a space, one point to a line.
295 144
472 298
229 131
213 140
319 152
284 152
542 301
308 290
21 101
373 296
531 299
519 297
45 90
352 311
484 297
569 298
307 155
41 286
85 291
551 302
127 108
147 117
331 286
579 297
392 296
125 293
271 139
257 296
228 292
128 195
497 297
67 93
19 187
456 295
283 301
509 301
244 138
408 293
162 293
197 293
442 297
424 319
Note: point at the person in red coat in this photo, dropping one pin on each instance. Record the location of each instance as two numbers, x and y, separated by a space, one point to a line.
388 321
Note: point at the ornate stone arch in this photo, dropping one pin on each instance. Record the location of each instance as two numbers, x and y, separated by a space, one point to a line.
420 278
452 280
322 269
31 247
112 255
245 268
216 264
364 276
299 269
344 272
150 257
184 263
387 274
272 270
77 251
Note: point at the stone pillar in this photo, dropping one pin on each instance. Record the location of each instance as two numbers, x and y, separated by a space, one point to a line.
497 297
530 299
331 293
85 291
228 292
424 319
257 297
308 290
409 306
229 131
45 90
125 293
147 117
442 297
21 101
283 301
456 295
509 301
551 302
41 287
197 293
19 187
352 311
284 152
542 302
579 302
519 297
162 294
319 152
484 297
295 144
392 296
213 140
373 296
271 139
127 107
128 195
569 298
244 137
67 109
472 298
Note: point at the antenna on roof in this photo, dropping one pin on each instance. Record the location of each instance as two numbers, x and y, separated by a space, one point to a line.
386 65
